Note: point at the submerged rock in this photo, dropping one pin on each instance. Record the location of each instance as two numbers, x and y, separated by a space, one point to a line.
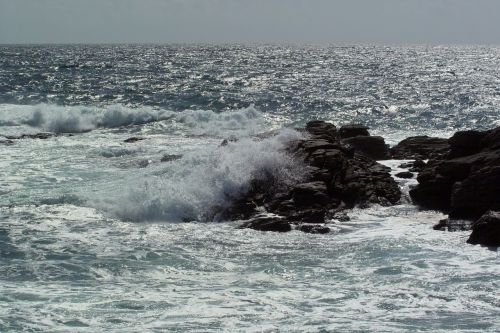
6 142
133 139
314 229
486 230
266 223
453 225
170 157
41 136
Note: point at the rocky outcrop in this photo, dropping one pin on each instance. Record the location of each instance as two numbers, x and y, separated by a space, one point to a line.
339 176
421 147
486 230
465 183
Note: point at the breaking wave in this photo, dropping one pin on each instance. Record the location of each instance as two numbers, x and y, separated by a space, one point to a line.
190 188
78 119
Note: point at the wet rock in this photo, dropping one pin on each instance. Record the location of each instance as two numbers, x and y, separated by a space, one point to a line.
170 157
133 139
225 142
352 130
476 194
486 230
404 174
465 186
266 223
6 142
310 194
418 165
453 225
421 147
337 179
340 216
415 166
142 163
313 229
41 136
373 147
322 128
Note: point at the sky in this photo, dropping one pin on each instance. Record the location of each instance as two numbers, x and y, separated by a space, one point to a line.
251 21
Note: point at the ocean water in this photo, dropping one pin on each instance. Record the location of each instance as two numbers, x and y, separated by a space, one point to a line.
99 235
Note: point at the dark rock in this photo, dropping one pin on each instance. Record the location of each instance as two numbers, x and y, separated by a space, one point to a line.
340 216
492 139
406 165
476 194
336 179
418 166
313 229
133 139
352 130
323 128
170 157
404 174
465 186
486 230
307 215
373 147
465 143
367 183
266 223
41 136
415 166
433 193
453 225
310 194
421 147
225 142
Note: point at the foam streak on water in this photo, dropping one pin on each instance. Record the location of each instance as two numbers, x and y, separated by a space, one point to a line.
92 236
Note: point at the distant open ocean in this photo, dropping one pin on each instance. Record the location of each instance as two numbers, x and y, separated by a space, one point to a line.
100 235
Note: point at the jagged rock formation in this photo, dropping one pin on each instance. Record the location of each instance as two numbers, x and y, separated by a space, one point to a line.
340 176
465 182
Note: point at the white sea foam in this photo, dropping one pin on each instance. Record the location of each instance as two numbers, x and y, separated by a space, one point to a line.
76 119
188 189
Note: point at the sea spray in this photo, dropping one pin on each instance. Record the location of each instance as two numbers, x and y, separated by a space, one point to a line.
206 181
78 119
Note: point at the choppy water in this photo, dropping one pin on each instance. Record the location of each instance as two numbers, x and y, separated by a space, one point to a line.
91 231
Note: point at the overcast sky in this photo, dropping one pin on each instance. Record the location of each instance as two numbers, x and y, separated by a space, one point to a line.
250 21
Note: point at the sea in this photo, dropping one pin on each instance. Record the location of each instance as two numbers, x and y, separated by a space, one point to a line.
101 235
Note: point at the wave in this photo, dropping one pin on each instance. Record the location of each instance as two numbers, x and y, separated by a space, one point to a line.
190 188
78 119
